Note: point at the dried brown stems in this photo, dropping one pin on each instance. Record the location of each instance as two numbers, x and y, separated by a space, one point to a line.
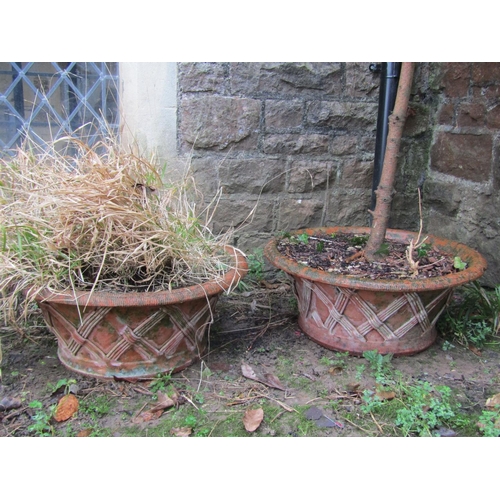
105 220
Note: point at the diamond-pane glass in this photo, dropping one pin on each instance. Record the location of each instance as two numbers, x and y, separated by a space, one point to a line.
48 100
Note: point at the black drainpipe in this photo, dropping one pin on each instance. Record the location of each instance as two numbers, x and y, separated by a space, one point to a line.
389 79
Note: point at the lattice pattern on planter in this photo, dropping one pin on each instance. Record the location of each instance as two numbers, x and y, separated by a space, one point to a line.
106 340
316 298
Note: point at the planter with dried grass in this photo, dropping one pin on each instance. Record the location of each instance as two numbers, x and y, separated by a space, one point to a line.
123 267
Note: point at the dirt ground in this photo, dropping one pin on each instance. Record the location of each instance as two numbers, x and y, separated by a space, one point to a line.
309 390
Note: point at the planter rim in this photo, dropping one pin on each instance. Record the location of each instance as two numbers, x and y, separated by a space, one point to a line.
137 299
476 263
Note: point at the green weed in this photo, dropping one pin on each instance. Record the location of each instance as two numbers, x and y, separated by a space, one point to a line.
42 426
296 238
97 407
303 238
474 317
338 361
160 383
360 369
416 408
489 422
256 265
61 383
359 240
383 250
459 264
380 366
425 408
423 250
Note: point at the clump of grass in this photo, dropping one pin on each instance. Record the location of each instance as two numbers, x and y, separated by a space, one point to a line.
473 318
101 219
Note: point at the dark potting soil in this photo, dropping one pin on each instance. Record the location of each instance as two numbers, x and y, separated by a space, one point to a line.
341 253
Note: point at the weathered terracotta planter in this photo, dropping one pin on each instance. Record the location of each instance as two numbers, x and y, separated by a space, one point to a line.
355 315
135 335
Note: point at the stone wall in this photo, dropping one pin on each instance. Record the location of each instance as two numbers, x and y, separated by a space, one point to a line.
462 200
292 146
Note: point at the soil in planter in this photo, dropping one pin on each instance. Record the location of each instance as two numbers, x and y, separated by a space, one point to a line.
341 254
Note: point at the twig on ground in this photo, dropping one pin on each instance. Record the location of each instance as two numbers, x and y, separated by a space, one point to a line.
357 426
189 401
376 423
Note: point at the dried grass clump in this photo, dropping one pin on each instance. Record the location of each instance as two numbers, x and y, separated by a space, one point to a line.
103 219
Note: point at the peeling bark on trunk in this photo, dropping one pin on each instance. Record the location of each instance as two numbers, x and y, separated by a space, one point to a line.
385 190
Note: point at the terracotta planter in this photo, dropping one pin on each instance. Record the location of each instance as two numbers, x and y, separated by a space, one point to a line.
135 334
353 314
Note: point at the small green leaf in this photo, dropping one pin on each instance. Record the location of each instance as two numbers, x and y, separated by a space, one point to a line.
459 264
383 250
358 240
303 238
423 250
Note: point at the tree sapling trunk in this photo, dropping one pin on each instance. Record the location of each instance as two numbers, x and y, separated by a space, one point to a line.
385 189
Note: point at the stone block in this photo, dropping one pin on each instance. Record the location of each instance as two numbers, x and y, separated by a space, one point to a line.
493 117
252 176
439 224
202 77
485 73
298 213
471 114
216 122
365 147
290 78
446 114
295 144
455 79
205 173
244 214
356 174
348 207
342 145
465 156
343 115
444 197
309 175
360 81
491 93
283 114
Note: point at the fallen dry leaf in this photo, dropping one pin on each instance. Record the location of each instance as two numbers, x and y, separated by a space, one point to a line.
181 431
475 350
84 433
66 408
273 381
270 286
354 387
335 370
165 401
147 416
267 379
493 401
248 372
252 419
385 395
